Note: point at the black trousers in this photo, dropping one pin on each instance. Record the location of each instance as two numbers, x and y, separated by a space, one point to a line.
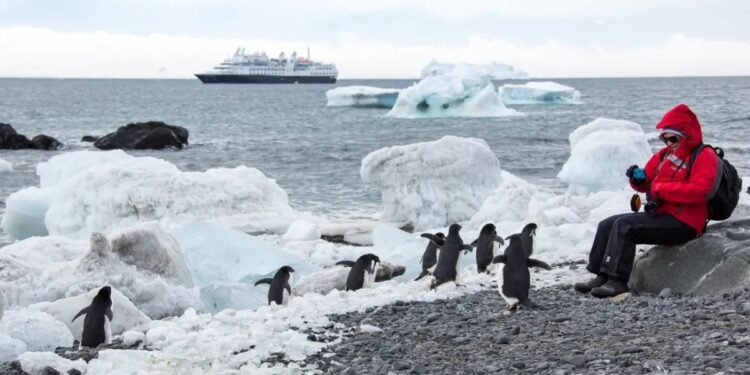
613 251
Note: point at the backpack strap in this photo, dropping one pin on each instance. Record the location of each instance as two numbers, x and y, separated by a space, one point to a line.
694 154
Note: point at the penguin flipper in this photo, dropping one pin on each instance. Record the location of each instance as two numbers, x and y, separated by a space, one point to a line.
538 263
500 240
421 275
263 281
499 259
345 263
83 311
288 288
467 247
109 314
475 242
437 240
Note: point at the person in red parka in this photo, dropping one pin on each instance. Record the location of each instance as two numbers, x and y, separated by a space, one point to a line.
677 204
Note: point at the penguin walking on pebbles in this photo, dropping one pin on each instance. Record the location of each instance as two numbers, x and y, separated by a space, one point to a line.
280 291
487 247
514 282
450 250
97 325
429 258
363 273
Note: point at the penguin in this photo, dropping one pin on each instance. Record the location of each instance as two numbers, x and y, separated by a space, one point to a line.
514 282
363 272
486 247
447 264
97 323
280 291
429 258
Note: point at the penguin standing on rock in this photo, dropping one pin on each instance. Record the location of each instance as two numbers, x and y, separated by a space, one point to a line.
429 258
363 272
514 282
97 325
280 291
450 250
487 247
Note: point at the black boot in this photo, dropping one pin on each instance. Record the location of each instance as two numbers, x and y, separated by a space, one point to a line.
591 284
612 288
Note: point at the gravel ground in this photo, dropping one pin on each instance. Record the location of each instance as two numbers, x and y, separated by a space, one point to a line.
568 333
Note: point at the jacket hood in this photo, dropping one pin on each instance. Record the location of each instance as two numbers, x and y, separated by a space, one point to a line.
682 119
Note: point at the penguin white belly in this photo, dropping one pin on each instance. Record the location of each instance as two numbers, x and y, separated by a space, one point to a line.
509 300
369 278
458 273
494 267
107 331
286 297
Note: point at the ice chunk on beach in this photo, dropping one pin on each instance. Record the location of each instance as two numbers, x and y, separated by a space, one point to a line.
539 92
35 363
38 330
362 96
225 263
601 151
433 184
6 166
125 314
46 269
451 91
120 190
10 348
302 230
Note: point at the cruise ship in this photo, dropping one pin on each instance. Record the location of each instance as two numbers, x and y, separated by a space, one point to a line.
259 68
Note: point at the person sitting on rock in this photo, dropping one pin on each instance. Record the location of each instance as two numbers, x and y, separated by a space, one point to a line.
676 207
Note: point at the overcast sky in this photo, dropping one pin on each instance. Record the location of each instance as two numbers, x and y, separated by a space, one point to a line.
383 39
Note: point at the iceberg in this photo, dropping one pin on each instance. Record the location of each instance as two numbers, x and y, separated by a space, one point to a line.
448 90
78 196
433 184
493 70
362 96
539 92
601 151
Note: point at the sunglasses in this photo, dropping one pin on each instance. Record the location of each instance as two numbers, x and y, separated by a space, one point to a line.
670 139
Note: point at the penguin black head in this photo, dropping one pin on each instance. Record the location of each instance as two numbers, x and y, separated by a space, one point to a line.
369 258
527 238
286 269
488 229
104 294
453 229
440 234
529 230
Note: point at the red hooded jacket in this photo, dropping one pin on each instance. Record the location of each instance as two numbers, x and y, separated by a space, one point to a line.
684 198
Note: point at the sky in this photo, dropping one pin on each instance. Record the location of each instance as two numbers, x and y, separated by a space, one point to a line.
376 39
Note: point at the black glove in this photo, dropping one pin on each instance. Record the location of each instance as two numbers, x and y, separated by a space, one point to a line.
629 171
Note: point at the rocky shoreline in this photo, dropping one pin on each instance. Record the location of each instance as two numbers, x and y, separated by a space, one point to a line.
568 333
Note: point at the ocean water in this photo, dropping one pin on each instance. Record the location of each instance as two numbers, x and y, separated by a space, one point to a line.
314 151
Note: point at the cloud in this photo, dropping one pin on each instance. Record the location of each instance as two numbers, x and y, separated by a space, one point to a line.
38 52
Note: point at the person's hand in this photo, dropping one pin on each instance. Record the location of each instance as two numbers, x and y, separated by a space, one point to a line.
636 175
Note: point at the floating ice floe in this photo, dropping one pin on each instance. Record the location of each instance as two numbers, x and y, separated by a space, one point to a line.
539 92
601 151
83 192
362 96
5 166
448 90
432 184
47 269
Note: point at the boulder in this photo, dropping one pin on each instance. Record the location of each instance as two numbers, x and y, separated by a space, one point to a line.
152 135
716 263
11 140
45 142
89 138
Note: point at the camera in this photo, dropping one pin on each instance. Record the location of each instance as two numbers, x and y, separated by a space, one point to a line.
651 206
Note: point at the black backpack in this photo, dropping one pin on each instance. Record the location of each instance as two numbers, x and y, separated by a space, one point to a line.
724 199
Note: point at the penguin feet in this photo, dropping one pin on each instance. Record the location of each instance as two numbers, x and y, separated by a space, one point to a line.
513 307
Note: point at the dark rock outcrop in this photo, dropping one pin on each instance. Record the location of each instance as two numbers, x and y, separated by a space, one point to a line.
716 263
11 140
89 138
152 135
45 142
